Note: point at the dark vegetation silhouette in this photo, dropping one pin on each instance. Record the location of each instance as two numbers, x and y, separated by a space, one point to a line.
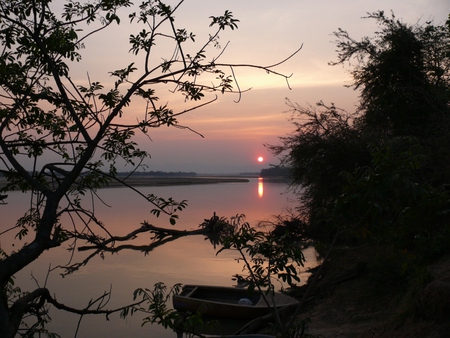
276 171
376 180
61 140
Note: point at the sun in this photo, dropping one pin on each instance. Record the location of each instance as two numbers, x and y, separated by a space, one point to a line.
260 159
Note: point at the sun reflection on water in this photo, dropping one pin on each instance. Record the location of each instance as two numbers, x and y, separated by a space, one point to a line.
260 187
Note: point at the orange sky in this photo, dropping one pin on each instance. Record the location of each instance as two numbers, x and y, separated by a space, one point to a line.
269 31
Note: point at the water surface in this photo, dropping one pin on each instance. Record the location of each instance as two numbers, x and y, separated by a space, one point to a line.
187 260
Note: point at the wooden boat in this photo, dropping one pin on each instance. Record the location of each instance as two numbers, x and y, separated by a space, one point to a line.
228 302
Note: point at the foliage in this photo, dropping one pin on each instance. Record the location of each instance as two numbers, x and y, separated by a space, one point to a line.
266 257
402 73
323 144
216 229
400 61
378 176
276 171
389 202
62 139
158 312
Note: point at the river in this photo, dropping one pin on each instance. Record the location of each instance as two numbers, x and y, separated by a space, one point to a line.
187 260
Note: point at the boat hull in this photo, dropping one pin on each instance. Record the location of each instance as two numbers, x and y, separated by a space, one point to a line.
224 301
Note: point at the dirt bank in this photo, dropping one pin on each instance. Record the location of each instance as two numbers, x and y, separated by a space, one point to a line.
350 300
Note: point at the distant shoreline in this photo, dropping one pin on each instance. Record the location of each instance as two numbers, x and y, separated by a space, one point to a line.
139 181
135 181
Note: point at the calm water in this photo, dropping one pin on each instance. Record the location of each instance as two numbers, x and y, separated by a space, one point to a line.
185 260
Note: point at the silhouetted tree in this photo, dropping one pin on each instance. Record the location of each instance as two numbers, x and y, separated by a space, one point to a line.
43 111
276 171
402 73
323 144
397 137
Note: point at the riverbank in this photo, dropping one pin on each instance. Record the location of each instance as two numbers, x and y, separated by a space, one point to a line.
136 181
353 298
164 181
352 295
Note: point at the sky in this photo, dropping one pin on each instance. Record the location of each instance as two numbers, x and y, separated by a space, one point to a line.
234 134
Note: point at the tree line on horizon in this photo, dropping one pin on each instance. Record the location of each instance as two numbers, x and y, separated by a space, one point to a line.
159 173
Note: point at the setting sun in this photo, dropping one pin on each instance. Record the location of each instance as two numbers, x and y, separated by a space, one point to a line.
260 159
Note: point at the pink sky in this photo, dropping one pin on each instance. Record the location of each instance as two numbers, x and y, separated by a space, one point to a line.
269 31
